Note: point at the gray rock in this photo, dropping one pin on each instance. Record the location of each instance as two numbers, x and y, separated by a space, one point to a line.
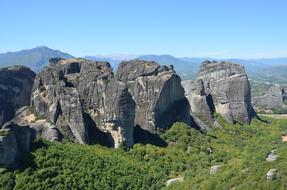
223 88
157 93
273 98
214 169
89 104
174 180
271 174
40 127
272 156
15 90
120 114
15 142
70 94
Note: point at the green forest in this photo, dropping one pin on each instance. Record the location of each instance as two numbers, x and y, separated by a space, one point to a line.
240 150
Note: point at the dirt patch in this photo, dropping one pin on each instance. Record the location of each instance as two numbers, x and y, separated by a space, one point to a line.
284 138
275 116
30 118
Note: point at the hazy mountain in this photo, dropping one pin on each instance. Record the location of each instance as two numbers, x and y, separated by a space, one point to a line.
271 69
113 59
187 69
35 58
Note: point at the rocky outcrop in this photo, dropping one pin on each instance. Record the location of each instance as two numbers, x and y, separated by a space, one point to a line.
223 88
87 103
157 93
15 142
70 94
273 98
15 90
24 116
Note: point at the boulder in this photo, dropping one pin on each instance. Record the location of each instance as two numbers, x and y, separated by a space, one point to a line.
15 142
220 87
174 180
15 90
272 174
272 156
214 169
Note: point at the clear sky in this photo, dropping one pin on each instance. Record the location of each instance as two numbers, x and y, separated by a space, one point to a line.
194 28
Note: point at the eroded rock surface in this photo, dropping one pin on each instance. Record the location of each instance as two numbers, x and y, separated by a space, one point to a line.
15 142
87 103
273 98
70 94
157 93
223 88
15 90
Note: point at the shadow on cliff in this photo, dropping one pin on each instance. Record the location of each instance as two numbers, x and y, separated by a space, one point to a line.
96 136
145 137
28 160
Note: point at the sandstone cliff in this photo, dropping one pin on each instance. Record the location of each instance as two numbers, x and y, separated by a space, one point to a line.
15 90
223 88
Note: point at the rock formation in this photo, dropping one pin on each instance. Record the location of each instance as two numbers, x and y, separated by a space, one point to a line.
273 98
223 88
157 93
15 90
15 142
24 116
87 103
70 94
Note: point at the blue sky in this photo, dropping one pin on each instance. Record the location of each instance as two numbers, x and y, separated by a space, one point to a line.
194 28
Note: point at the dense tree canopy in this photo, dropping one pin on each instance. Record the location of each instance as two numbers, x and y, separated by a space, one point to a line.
240 150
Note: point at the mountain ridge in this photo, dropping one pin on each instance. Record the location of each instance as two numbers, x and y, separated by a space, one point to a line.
187 67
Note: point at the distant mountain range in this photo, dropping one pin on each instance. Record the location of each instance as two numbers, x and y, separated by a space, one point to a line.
269 70
35 58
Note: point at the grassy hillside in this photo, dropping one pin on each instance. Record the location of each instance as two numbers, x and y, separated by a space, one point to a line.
240 150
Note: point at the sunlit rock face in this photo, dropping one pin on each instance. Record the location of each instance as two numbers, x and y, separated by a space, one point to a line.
220 87
88 104
157 93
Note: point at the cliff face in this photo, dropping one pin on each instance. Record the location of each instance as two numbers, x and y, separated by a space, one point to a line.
223 88
15 142
15 90
157 93
70 94
273 98
87 103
